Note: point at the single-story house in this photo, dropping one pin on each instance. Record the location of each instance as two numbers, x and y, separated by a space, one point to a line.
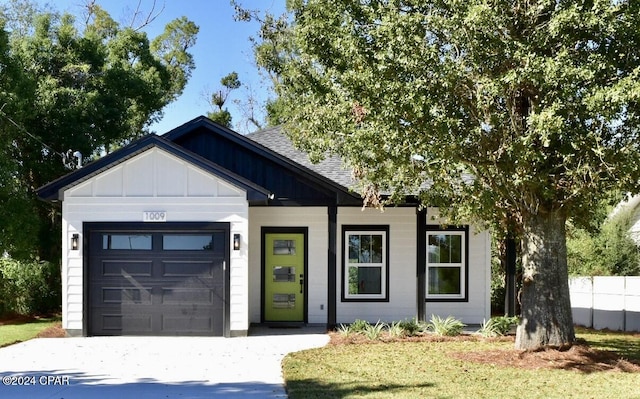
204 231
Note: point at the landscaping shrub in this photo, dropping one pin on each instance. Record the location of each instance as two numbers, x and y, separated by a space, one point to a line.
373 332
395 330
411 327
29 288
359 326
497 326
446 327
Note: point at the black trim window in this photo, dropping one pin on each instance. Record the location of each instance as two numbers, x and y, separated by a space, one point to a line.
187 242
136 242
447 265
365 263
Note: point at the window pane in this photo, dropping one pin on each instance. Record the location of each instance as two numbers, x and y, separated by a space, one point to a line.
376 248
438 251
445 248
456 249
126 241
284 247
187 242
365 280
284 274
444 280
354 248
365 248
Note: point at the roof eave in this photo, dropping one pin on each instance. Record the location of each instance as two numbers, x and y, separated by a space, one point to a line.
54 191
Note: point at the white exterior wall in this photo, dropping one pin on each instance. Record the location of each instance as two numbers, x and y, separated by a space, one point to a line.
402 287
316 220
152 181
478 307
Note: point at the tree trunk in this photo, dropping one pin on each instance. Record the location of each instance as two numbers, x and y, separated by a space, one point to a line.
546 307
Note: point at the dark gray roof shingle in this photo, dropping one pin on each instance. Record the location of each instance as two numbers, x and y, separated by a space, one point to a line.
331 167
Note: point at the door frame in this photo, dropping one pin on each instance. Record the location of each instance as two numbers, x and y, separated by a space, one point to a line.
264 230
89 227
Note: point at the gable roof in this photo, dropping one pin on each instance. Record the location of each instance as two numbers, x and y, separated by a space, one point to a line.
331 167
272 158
53 191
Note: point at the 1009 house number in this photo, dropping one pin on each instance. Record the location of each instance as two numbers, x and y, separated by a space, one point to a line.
154 216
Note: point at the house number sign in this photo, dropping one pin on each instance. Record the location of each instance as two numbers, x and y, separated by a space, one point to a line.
154 216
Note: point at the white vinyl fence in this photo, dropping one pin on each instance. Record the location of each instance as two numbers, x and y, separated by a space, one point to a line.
606 302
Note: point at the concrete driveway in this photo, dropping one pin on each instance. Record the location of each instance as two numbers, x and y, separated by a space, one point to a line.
151 367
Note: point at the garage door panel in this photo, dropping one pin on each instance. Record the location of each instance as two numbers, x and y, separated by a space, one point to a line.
185 325
115 324
120 267
191 268
178 290
195 296
127 296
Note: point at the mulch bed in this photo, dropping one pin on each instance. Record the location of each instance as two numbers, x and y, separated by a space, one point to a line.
55 331
580 357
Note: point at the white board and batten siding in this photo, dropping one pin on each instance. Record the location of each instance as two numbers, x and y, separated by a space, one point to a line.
478 307
153 181
402 265
316 220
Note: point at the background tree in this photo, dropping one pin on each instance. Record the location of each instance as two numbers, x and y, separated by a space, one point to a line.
519 113
218 98
64 88
605 248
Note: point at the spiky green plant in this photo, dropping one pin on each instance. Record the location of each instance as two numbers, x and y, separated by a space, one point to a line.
445 327
344 330
359 326
373 332
411 327
395 330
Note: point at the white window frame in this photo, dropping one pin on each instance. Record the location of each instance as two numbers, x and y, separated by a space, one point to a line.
462 265
382 296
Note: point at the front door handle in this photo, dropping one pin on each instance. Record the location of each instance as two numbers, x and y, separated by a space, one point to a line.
301 283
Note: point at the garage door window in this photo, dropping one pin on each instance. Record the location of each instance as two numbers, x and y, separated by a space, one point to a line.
187 242
127 242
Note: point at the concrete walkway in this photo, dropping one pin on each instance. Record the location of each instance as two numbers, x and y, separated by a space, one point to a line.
152 367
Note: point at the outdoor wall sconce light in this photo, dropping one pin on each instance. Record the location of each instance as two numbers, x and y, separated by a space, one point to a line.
74 242
236 242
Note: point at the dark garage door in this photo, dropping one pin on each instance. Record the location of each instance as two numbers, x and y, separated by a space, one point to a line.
146 281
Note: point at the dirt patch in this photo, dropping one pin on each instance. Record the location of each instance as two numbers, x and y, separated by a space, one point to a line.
580 357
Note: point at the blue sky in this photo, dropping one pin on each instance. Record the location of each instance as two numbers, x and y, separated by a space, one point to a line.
222 47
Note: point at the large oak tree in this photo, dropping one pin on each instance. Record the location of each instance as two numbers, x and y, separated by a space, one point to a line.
519 113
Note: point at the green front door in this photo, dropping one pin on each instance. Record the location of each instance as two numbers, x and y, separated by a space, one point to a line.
284 260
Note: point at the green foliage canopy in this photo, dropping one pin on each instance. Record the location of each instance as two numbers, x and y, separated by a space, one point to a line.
522 113
85 88
537 100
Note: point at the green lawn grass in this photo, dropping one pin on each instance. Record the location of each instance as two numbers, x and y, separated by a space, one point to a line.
429 370
14 333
